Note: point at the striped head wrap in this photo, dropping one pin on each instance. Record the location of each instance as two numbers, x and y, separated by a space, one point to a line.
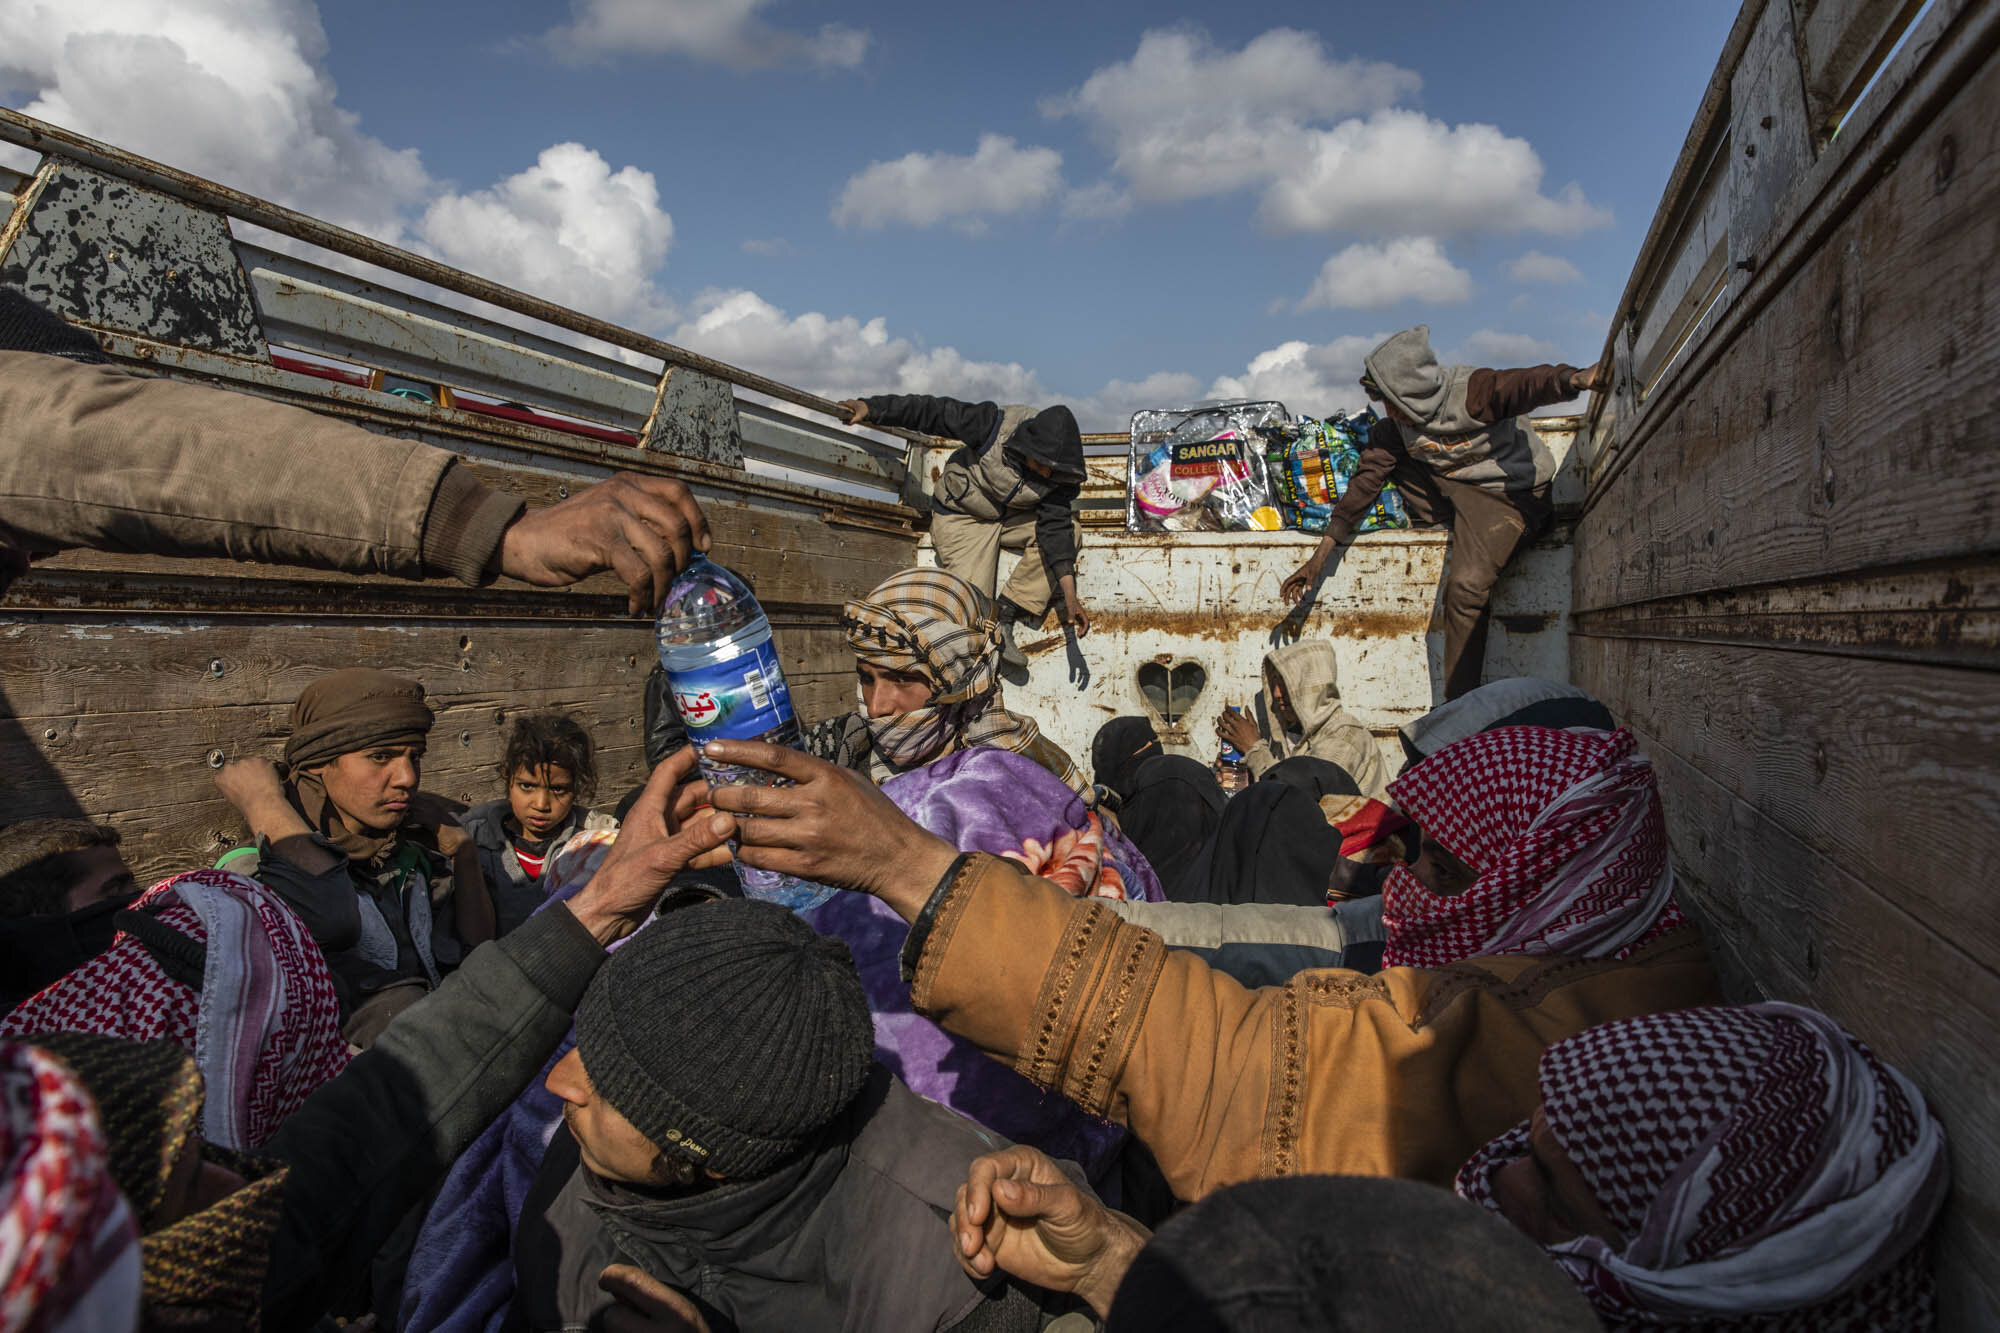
217 964
1767 1171
1566 834
935 624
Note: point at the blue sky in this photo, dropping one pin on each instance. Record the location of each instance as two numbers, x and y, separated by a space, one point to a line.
1109 203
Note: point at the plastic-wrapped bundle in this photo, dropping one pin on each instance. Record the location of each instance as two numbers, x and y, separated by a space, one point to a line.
1311 462
1201 469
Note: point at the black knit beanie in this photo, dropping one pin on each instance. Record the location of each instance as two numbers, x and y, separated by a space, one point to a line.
728 1033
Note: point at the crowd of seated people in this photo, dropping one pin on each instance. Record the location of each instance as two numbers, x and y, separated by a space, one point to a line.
1354 1046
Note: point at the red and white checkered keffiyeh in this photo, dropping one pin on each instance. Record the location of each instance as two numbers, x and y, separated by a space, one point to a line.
69 1249
1565 831
1768 1172
264 1027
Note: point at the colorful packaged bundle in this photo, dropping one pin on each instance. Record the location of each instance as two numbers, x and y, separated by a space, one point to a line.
1202 468
1311 462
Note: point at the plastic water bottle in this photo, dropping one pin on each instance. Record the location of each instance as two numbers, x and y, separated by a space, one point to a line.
1230 772
723 673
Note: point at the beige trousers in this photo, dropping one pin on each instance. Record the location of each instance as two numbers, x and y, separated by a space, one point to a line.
970 548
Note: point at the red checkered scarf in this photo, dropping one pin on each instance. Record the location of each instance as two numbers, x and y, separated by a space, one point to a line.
1566 833
69 1249
1770 1172
264 1027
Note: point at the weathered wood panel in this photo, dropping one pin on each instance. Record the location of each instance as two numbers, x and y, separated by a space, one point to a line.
125 720
1851 423
1784 572
1880 766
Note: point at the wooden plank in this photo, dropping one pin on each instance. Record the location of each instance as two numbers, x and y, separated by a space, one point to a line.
1814 934
1944 612
56 668
1847 426
1772 150
1841 42
1887 768
1687 285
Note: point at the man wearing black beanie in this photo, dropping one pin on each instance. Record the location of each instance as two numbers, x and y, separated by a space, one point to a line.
729 1134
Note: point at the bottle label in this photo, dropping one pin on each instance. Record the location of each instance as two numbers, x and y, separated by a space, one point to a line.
741 699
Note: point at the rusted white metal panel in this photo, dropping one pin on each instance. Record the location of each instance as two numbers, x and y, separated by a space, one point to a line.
1212 598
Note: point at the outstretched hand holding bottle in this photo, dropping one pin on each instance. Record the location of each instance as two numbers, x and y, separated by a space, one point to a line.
722 670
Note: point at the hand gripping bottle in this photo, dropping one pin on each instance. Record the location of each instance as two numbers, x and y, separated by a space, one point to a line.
1230 772
723 673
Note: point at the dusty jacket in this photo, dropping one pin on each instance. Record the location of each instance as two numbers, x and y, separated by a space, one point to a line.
1404 1073
369 1146
516 893
1310 679
1472 399
986 479
849 1236
92 456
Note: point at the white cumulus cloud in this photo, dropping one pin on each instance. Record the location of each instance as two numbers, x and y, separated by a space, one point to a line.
841 356
1534 266
721 32
1321 140
1493 347
1311 378
569 229
237 90
923 189
234 90
1111 408
1400 170
1369 277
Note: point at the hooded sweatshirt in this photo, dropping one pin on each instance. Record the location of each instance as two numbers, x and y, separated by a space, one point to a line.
1309 678
849 1234
988 479
1503 455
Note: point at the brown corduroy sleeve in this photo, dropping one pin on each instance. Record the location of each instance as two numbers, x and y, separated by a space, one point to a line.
462 531
93 456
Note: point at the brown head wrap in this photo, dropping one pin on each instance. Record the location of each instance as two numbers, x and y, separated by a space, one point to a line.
348 710
352 709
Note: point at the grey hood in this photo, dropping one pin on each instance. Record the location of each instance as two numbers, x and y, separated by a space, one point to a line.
1405 371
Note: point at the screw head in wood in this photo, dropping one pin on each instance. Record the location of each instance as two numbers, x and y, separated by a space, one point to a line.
216 758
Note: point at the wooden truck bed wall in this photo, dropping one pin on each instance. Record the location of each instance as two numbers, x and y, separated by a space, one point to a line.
126 681
1774 554
1785 564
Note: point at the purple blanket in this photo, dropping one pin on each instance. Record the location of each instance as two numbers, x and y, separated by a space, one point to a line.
461 1275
